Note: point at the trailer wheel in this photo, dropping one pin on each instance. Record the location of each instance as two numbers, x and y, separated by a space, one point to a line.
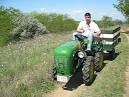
112 54
88 70
54 72
98 61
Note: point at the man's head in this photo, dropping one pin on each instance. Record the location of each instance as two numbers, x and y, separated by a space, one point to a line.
87 17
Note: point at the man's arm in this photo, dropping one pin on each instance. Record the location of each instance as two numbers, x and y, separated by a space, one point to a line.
97 32
80 28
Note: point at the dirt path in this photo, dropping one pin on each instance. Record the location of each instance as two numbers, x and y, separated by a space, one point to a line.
60 92
127 76
74 87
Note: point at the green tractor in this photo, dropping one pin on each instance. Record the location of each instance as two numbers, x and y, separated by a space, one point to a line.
70 56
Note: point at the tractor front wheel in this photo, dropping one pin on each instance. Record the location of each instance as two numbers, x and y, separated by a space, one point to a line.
54 72
88 70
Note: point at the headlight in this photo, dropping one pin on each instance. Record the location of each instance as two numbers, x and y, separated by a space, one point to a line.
81 54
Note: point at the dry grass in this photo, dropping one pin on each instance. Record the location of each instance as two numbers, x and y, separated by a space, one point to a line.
25 69
125 28
25 66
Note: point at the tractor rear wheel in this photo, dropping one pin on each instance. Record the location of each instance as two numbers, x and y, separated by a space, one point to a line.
88 70
98 61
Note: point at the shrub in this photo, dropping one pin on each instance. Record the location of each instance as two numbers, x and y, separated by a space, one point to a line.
56 22
6 25
26 26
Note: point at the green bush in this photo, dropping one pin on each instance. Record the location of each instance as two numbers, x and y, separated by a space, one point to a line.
20 25
26 26
16 25
105 22
6 23
5 26
56 22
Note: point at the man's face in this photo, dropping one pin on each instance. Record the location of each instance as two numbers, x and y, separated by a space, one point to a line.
88 19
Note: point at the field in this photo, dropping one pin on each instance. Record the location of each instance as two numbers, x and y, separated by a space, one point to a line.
25 69
29 34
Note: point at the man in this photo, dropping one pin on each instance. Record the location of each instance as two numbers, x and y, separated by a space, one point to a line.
88 28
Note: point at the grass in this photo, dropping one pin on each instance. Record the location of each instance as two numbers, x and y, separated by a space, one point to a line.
110 82
25 67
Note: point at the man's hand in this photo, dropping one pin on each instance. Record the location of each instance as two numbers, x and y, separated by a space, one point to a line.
96 34
80 30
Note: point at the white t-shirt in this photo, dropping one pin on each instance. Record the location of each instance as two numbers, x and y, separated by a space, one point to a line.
92 27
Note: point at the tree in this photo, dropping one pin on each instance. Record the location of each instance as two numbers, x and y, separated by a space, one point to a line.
105 21
6 23
117 22
123 7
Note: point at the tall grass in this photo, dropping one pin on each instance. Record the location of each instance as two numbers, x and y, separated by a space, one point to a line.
25 67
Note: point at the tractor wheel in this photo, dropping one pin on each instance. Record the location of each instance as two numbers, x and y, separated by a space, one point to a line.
54 72
88 70
112 54
98 61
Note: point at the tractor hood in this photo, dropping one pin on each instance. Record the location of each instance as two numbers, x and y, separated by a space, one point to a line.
63 59
66 49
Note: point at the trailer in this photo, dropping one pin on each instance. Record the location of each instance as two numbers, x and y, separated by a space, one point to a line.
110 38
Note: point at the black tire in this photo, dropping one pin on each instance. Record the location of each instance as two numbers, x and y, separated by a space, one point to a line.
54 72
88 70
98 61
112 54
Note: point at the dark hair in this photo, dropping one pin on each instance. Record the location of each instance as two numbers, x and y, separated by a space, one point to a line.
87 14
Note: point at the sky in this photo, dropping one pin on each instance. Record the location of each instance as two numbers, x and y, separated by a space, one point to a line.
74 8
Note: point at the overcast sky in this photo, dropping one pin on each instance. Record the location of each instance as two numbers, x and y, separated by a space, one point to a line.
75 8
